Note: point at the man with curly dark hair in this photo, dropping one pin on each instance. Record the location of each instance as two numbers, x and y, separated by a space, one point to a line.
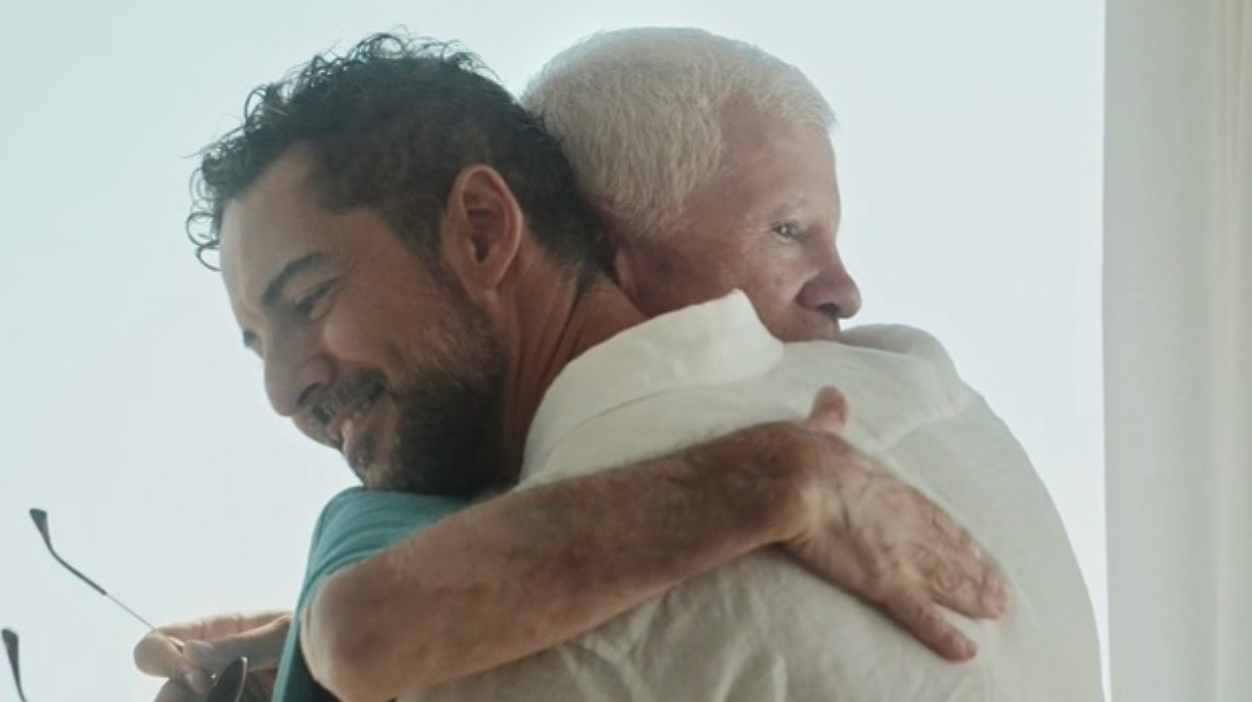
407 250
388 127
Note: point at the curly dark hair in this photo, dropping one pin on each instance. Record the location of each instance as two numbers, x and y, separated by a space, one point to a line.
389 125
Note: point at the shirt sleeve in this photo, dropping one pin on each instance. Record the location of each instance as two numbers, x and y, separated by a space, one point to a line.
355 525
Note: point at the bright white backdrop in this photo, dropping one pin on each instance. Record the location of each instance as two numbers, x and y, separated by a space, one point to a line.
969 149
1178 350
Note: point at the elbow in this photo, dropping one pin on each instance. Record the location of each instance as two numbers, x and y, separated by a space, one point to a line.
339 644
358 647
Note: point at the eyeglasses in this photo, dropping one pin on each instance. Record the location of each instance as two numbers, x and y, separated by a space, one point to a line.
10 645
228 685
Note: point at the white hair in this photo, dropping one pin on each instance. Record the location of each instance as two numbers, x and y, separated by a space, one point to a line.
638 112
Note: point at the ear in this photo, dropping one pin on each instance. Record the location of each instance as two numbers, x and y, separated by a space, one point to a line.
482 229
624 263
625 256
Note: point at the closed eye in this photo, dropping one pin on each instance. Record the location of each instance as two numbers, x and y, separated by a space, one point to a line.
308 306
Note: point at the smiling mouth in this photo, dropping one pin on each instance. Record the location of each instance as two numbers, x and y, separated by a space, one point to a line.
346 428
352 436
342 421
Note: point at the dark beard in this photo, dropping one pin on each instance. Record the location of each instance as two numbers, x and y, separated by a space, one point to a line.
448 435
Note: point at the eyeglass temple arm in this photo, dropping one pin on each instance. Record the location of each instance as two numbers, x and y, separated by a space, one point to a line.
40 517
11 646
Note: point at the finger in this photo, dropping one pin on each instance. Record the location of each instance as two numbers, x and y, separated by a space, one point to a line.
946 577
261 645
961 575
915 613
980 594
173 691
199 681
830 410
218 626
159 655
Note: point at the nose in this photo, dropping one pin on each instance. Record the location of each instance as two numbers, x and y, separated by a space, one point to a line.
832 289
296 373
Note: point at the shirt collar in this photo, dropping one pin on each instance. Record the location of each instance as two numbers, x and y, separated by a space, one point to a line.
710 344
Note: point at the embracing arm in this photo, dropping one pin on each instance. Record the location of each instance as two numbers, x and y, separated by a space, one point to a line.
528 570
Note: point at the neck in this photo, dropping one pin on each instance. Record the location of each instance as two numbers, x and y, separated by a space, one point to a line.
553 329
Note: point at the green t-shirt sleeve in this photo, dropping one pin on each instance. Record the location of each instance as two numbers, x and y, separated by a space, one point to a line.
354 525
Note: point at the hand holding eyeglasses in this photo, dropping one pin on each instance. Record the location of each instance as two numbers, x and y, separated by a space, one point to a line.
190 653
229 682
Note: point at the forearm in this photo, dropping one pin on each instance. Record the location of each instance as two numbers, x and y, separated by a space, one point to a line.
528 570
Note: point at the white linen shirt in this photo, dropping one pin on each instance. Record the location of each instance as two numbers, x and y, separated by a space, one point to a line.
762 628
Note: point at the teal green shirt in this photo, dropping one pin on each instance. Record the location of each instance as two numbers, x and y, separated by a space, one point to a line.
354 525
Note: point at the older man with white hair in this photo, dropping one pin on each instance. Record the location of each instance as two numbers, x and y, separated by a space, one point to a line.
754 206
710 161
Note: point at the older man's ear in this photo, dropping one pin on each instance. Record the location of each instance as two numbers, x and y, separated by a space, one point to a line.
623 260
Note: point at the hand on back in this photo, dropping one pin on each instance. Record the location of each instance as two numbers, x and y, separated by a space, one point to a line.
877 537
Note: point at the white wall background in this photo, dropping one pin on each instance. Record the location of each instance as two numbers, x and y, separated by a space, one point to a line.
1178 233
969 150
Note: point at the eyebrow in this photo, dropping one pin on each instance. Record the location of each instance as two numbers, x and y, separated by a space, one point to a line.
274 290
785 208
295 267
